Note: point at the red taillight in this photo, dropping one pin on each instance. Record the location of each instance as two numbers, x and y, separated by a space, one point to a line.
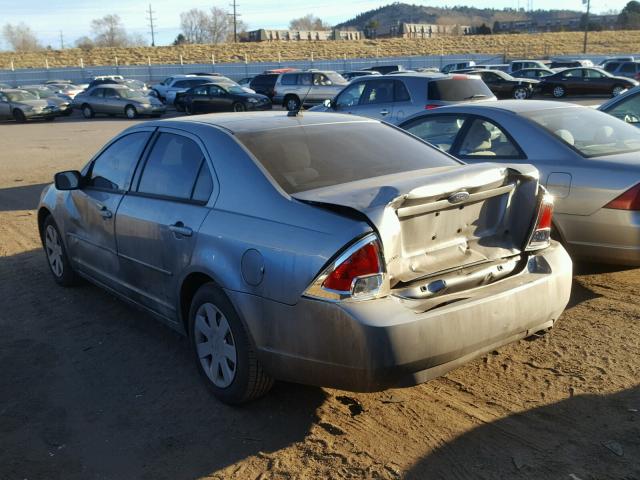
431 107
629 200
365 261
541 235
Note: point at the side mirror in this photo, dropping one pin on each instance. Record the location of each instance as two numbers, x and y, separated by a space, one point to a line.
69 180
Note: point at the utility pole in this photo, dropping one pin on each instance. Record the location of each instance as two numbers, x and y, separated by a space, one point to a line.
61 41
235 16
586 24
151 29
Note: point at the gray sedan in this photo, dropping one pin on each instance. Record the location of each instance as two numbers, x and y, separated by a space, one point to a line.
21 106
587 159
117 100
252 234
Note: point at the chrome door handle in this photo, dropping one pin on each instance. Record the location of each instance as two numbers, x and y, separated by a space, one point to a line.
180 229
104 211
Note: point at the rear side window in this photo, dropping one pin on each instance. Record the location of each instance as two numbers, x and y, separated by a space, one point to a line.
113 168
439 130
172 168
400 92
291 79
611 66
306 157
457 89
628 68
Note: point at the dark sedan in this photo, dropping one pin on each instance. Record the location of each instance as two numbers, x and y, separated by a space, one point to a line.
586 81
212 97
504 85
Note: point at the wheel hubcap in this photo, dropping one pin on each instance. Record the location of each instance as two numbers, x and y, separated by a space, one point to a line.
558 92
131 113
617 91
87 112
54 251
520 94
215 345
292 105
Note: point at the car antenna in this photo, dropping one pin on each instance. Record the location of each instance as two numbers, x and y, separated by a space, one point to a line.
297 112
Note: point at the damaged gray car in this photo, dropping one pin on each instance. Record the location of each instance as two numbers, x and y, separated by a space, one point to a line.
321 249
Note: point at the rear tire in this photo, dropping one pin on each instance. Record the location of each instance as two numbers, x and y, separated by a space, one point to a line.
19 116
291 103
559 91
87 111
617 90
56 254
238 107
520 93
222 350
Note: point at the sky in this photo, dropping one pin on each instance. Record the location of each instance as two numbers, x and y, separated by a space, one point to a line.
73 17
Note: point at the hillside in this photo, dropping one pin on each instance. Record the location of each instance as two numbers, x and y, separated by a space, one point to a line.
522 45
385 17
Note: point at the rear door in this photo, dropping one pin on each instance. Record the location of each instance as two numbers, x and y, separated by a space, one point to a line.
91 223
158 221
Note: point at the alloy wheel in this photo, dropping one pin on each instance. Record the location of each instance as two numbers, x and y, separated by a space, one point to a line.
130 112
558 92
215 345
520 94
617 90
53 248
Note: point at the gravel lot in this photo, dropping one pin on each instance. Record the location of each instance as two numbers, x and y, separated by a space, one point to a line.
93 389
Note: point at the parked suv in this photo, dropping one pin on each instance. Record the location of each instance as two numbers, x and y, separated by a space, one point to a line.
396 97
624 69
296 89
264 84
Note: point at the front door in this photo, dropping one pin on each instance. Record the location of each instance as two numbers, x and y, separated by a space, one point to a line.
158 221
91 229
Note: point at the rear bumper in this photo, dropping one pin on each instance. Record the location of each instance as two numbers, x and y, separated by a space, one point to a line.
378 344
607 236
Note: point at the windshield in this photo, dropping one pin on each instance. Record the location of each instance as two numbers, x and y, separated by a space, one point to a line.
306 157
20 96
591 132
135 84
127 93
234 89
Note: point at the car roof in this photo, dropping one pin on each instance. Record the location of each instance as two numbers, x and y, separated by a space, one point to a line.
514 106
420 75
112 85
269 120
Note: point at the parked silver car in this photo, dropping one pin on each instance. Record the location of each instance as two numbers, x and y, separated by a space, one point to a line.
587 159
21 106
394 98
117 100
43 93
251 233
294 90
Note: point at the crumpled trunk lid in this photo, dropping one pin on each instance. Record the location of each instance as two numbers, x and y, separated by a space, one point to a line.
445 219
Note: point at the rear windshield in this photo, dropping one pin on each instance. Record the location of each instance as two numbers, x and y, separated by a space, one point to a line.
314 156
458 89
591 132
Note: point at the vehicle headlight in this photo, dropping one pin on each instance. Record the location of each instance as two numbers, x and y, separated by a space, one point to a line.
252 100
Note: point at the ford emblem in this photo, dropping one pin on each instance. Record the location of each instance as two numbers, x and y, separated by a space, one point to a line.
458 197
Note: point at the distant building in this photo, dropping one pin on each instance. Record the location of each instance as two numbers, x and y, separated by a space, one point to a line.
428 30
264 35
555 25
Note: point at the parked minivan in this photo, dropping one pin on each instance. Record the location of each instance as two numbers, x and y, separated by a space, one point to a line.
393 98
296 89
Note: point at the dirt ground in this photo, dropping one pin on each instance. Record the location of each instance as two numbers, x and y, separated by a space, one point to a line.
93 389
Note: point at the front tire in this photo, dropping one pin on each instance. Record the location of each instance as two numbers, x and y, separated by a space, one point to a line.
19 116
130 112
238 107
617 90
559 91
292 103
56 254
87 111
223 353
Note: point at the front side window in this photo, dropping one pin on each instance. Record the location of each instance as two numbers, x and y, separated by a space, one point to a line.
199 91
320 79
485 139
440 130
627 109
172 167
572 73
113 168
350 96
216 91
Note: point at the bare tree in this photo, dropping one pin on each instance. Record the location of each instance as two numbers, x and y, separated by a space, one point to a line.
20 37
85 43
220 25
308 22
109 32
195 26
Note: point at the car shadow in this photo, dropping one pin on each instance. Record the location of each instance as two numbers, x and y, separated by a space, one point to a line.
596 437
92 388
23 197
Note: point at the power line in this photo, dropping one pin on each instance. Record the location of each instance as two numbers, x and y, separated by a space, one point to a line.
151 29
235 16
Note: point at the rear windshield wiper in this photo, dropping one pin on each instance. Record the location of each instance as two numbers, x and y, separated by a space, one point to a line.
477 95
